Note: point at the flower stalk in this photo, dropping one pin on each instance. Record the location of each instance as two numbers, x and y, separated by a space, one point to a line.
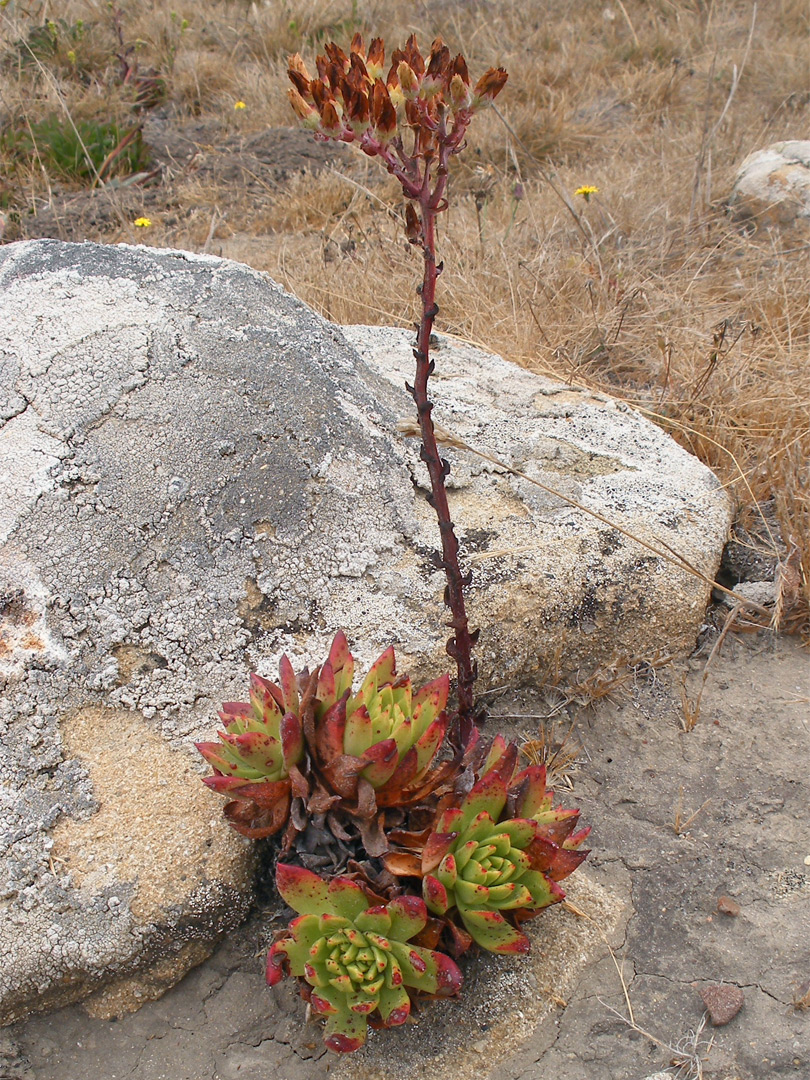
415 119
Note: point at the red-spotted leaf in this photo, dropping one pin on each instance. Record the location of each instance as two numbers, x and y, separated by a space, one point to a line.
492 932
557 825
289 685
448 976
408 917
432 695
566 862
304 891
346 898
359 733
449 821
325 692
429 742
576 838
380 762
394 1005
435 895
497 749
529 787
487 796
437 846
542 853
521 831
276 962
329 731
292 740
212 752
381 671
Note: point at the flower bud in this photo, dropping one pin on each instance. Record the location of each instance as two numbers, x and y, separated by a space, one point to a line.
383 111
489 85
330 120
305 112
376 58
407 80
299 75
459 93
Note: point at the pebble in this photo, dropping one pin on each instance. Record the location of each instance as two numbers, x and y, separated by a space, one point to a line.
727 906
722 1001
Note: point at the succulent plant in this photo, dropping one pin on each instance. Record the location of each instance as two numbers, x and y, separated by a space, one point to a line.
494 859
258 754
354 956
386 734
341 756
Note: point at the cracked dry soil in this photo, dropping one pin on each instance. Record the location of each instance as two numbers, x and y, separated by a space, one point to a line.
679 820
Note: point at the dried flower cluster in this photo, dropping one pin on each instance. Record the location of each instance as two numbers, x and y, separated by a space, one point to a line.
349 99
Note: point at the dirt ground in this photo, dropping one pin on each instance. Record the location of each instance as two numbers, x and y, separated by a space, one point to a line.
680 819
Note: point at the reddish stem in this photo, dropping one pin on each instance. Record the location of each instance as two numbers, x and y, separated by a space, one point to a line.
460 644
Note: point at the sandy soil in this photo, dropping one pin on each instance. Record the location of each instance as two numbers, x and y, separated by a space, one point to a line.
680 819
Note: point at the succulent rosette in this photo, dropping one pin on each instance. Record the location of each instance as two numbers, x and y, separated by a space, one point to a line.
386 734
495 859
355 956
342 757
258 754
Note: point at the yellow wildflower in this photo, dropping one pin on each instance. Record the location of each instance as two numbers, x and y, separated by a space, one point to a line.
586 191
239 105
142 222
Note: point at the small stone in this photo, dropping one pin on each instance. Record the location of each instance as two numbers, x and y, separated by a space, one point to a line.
723 1002
727 906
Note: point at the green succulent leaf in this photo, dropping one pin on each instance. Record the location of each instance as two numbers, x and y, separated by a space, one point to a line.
381 671
382 760
303 890
253 751
491 931
376 919
289 685
520 831
359 734
346 898
418 966
543 890
487 796
394 1005
408 917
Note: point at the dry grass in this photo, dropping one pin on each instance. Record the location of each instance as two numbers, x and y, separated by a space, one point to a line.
648 291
